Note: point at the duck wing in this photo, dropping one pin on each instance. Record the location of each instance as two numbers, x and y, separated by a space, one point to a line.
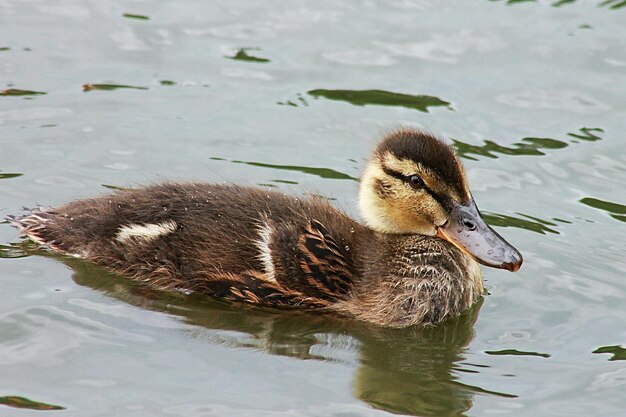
302 265
325 264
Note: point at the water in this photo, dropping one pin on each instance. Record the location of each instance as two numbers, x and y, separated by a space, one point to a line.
293 96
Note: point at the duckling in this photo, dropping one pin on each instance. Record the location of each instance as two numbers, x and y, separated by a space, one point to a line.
414 261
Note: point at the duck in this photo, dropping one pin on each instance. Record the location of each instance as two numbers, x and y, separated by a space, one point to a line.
414 260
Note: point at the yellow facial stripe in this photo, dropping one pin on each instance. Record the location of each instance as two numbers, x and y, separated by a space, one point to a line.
408 167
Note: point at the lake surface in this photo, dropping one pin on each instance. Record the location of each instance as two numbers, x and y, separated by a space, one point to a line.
293 96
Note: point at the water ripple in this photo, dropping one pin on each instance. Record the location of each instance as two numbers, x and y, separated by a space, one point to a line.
360 57
608 380
446 47
242 31
572 101
34 113
50 331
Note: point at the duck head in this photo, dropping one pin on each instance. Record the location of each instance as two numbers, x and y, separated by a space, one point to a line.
415 184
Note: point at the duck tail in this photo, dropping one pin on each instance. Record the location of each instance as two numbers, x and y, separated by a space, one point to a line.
34 226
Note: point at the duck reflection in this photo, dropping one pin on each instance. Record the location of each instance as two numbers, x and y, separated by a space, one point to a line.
406 371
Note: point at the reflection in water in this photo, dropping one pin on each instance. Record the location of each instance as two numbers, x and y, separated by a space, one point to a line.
136 16
617 351
617 211
610 4
18 92
115 187
533 224
242 55
293 103
562 2
589 134
614 4
382 98
411 371
527 146
285 182
110 87
320 172
516 352
12 251
7 175
21 402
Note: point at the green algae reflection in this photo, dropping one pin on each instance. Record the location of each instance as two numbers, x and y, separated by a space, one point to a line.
17 92
135 16
110 87
527 146
243 55
617 211
7 175
614 4
116 187
22 402
382 98
526 222
516 352
618 352
320 172
609 4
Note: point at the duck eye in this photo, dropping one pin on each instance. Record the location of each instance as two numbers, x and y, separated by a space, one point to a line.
416 182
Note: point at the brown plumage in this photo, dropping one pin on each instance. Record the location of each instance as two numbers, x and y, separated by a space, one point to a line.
246 244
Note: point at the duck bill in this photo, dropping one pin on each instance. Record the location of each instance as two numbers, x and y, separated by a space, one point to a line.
467 230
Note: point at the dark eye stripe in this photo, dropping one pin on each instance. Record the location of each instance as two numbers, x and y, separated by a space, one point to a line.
442 199
404 178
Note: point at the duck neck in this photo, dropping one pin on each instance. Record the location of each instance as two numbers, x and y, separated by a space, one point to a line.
424 280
